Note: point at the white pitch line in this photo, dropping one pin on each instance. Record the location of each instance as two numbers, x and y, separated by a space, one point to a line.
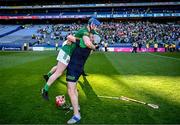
164 57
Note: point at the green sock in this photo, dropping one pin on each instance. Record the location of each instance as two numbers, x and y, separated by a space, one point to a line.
46 87
49 74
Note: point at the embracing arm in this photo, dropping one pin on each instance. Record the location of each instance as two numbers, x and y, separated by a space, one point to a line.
71 38
88 43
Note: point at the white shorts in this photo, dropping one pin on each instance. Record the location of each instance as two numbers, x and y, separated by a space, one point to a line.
63 57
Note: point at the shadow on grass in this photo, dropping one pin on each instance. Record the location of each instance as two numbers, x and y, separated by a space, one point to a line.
86 87
88 90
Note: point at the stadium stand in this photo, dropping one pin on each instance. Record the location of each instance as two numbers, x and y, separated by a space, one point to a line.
124 23
6 30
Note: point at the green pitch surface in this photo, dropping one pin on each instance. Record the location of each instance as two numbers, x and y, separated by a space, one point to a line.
153 78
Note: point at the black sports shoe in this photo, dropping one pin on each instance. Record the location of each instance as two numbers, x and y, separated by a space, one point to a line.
45 94
46 77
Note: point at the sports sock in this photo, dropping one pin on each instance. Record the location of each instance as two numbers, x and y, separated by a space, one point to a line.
49 74
46 87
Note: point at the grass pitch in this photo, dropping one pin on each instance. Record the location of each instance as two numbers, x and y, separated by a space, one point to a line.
153 78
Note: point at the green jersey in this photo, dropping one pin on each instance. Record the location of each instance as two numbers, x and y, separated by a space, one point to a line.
68 49
82 32
82 44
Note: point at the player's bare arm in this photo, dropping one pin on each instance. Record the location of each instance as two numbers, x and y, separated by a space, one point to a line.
88 42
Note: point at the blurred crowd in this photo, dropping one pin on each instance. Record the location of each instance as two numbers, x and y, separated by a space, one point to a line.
144 32
123 32
54 33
